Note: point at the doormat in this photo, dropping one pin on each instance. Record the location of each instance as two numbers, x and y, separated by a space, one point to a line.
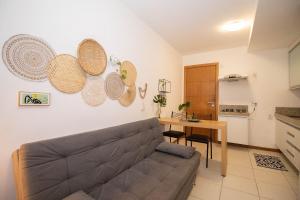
268 161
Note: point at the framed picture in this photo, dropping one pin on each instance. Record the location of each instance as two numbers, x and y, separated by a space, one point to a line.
164 86
34 99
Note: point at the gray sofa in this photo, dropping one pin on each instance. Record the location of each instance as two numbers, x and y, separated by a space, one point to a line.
117 163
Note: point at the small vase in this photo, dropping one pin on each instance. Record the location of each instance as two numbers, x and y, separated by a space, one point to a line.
159 111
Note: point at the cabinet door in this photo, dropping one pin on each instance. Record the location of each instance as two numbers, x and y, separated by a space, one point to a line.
294 65
280 139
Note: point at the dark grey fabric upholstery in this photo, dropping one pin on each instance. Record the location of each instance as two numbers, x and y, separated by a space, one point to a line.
175 149
113 163
80 195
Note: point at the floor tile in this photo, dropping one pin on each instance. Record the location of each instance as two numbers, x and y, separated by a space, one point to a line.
290 172
240 170
193 198
270 177
239 158
209 175
230 194
240 184
214 165
294 183
275 192
206 190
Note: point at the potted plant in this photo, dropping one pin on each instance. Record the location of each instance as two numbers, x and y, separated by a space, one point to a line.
161 101
183 107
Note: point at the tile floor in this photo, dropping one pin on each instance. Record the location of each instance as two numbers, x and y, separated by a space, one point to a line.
245 180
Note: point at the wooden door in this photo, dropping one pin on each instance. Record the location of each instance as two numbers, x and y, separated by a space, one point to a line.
201 89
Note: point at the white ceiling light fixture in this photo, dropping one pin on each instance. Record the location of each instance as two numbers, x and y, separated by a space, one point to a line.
235 25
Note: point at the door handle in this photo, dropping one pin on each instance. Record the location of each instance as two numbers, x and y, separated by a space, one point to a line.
211 103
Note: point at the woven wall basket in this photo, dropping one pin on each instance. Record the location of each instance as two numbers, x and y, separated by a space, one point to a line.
65 74
130 73
92 57
27 57
128 97
114 86
93 92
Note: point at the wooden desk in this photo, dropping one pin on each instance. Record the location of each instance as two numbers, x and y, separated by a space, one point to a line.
205 124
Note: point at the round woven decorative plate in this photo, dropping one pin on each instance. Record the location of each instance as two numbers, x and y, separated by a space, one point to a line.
114 86
128 70
27 57
65 74
91 57
93 92
128 97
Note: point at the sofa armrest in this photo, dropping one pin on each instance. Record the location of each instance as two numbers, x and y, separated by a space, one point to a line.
176 149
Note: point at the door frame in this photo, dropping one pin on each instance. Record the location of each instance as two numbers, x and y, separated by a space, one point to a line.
216 64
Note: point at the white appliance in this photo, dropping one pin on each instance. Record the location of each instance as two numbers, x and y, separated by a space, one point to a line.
237 118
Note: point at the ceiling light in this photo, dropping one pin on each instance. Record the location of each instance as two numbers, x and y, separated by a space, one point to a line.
235 25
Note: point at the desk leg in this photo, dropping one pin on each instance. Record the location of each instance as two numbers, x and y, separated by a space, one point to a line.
224 151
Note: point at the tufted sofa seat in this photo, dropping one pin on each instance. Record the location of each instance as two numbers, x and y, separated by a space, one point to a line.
109 164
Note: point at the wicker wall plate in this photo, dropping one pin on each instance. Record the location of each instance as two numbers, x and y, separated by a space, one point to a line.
93 92
92 57
128 97
114 86
65 74
130 73
27 57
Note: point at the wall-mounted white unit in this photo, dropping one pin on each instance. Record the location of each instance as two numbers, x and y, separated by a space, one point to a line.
233 77
294 66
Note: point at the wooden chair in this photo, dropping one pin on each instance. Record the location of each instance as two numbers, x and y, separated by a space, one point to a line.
198 137
174 134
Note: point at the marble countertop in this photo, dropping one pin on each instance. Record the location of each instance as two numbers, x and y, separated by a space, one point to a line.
293 121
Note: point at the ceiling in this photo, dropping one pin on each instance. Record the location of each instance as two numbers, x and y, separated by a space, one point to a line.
193 25
277 24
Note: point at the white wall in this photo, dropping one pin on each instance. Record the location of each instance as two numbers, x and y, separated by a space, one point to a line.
64 24
267 85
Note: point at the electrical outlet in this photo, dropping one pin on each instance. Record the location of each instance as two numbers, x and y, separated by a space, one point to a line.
270 117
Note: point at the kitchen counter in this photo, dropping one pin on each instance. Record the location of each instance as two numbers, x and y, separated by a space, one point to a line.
288 115
293 121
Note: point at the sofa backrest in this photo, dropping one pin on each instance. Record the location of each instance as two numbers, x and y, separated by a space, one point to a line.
53 169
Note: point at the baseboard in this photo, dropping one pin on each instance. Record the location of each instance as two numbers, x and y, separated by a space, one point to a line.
253 147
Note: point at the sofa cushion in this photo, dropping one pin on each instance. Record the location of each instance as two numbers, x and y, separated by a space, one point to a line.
160 176
80 195
53 169
176 149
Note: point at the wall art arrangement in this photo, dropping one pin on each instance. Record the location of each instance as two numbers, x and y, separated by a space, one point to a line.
142 91
27 57
34 99
31 58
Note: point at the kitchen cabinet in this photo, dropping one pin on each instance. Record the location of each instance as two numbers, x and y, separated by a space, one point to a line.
237 128
288 141
294 67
